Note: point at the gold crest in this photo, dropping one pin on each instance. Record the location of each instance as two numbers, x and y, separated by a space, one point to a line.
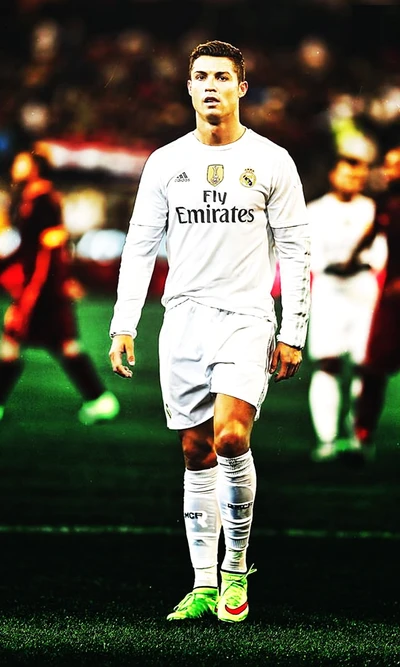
215 174
248 178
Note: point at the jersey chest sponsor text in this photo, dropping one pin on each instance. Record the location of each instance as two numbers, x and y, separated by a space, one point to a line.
214 209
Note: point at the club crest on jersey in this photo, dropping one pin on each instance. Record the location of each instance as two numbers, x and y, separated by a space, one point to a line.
215 174
248 178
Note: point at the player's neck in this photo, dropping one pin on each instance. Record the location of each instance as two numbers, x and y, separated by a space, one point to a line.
344 196
218 135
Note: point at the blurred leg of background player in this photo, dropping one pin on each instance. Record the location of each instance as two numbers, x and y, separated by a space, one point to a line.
383 360
99 404
328 382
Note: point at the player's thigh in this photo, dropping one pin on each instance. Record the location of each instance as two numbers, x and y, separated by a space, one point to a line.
184 354
241 365
328 321
383 349
359 312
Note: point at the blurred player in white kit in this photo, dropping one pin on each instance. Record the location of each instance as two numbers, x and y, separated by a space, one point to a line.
229 202
343 297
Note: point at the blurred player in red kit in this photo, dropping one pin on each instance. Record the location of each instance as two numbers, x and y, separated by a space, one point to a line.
383 350
42 310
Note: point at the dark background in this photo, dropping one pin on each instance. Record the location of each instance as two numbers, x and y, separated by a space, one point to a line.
91 535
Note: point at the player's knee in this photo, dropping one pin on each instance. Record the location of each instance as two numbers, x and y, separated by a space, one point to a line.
9 349
232 440
71 348
197 454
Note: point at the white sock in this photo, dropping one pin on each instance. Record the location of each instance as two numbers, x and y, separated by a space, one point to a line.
355 392
236 490
325 404
203 524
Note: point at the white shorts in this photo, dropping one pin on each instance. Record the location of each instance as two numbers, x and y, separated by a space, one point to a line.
206 351
340 316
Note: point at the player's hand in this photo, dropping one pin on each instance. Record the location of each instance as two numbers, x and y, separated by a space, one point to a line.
286 361
346 269
122 344
341 269
73 289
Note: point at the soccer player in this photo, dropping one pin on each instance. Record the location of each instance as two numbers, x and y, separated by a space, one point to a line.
41 312
343 296
383 349
229 201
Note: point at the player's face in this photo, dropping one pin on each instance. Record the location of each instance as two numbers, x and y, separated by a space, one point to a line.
349 178
21 167
214 88
391 165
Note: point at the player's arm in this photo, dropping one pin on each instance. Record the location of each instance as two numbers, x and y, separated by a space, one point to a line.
290 228
292 246
354 262
146 230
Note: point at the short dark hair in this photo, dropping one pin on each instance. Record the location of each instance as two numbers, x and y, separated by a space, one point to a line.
221 50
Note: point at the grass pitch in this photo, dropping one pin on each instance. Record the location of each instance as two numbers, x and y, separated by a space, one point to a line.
93 549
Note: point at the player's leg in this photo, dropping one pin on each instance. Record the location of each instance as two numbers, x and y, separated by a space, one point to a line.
236 490
11 366
185 348
240 380
236 487
202 520
382 360
369 404
367 385
325 402
99 404
326 345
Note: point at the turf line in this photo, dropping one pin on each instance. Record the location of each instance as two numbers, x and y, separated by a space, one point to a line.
162 530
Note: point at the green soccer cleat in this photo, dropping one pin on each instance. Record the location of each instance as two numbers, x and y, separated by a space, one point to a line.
199 602
233 605
104 408
326 451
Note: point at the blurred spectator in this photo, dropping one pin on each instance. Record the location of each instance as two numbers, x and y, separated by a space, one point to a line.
106 72
105 69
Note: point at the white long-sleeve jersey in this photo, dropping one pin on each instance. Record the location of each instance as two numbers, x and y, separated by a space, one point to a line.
229 213
337 226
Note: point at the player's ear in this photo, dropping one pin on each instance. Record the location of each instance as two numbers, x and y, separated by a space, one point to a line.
243 88
189 87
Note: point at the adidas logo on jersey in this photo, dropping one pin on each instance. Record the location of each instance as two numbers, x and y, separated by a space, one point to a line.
182 178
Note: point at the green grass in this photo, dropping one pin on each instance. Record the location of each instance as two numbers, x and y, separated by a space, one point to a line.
92 600
67 473
325 538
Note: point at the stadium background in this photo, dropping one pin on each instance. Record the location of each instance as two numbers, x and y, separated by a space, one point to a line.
93 547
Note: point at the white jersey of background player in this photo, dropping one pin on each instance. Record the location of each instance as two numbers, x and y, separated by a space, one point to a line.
228 201
343 298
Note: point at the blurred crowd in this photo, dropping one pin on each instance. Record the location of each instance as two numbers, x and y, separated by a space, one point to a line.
321 74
